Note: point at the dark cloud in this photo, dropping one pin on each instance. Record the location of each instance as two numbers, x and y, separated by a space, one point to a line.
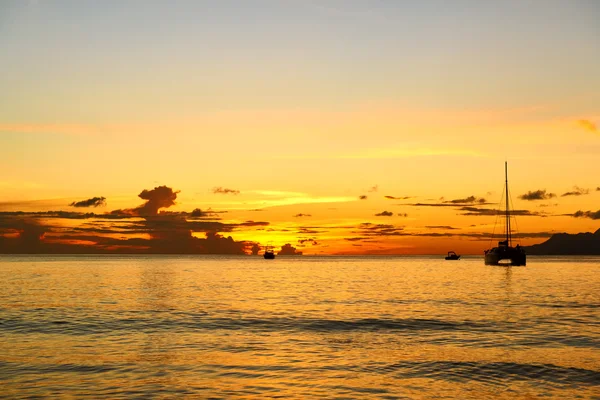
398 198
540 194
471 200
362 197
164 232
586 214
221 190
598 189
302 215
467 200
384 214
309 231
304 242
402 215
440 227
374 189
93 202
433 205
487 211
289 250
370 229
199 213
577 191
157 198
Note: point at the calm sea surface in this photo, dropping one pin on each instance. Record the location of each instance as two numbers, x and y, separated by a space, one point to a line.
306 327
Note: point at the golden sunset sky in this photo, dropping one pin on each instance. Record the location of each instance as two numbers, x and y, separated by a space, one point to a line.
290 121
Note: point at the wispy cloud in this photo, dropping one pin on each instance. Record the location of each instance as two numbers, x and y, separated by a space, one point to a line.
586 214
398 198
222 190
577 191
384 214
475 211
470 200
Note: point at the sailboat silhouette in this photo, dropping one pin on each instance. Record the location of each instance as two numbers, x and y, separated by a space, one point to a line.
505 251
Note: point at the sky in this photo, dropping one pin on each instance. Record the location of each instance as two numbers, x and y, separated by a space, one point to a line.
321 127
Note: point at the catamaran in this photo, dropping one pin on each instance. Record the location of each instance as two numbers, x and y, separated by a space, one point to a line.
505 253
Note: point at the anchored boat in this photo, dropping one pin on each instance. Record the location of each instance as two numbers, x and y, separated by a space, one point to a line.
505 253
269 253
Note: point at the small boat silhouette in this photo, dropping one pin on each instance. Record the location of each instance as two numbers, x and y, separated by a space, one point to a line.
269 253
452 256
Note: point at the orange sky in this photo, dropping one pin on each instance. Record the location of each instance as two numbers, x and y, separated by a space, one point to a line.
298 110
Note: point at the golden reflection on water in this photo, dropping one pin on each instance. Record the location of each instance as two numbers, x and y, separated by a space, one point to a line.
302 327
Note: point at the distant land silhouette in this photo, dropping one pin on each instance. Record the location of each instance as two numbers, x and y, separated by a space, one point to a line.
568 244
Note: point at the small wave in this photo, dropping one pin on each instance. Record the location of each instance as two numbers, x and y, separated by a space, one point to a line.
105 325
491 372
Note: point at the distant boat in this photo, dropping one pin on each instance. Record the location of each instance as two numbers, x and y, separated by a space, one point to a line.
505 251
269 253
452 256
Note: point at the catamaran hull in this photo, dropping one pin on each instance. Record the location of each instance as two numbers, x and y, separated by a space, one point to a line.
515 259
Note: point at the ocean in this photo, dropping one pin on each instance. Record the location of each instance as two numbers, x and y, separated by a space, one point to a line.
220 327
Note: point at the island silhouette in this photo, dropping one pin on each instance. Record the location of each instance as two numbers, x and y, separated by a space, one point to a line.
568 244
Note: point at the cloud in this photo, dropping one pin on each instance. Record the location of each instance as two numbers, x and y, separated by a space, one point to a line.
440 227
354 239
402 215
289 250
398 198
362 197
157 198
587 125
586 214
370 229
453 203
304 242
537 195
467 200
93 202
144 229
384 214
577 191
374 189
221 190
302 215
487 211
433 205
198 213
598 189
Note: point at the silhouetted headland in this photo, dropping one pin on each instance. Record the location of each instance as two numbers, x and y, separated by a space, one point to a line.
568 244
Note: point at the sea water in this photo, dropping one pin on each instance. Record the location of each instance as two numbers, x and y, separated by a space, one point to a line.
298 327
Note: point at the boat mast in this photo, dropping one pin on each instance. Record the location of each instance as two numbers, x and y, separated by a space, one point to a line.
507 211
